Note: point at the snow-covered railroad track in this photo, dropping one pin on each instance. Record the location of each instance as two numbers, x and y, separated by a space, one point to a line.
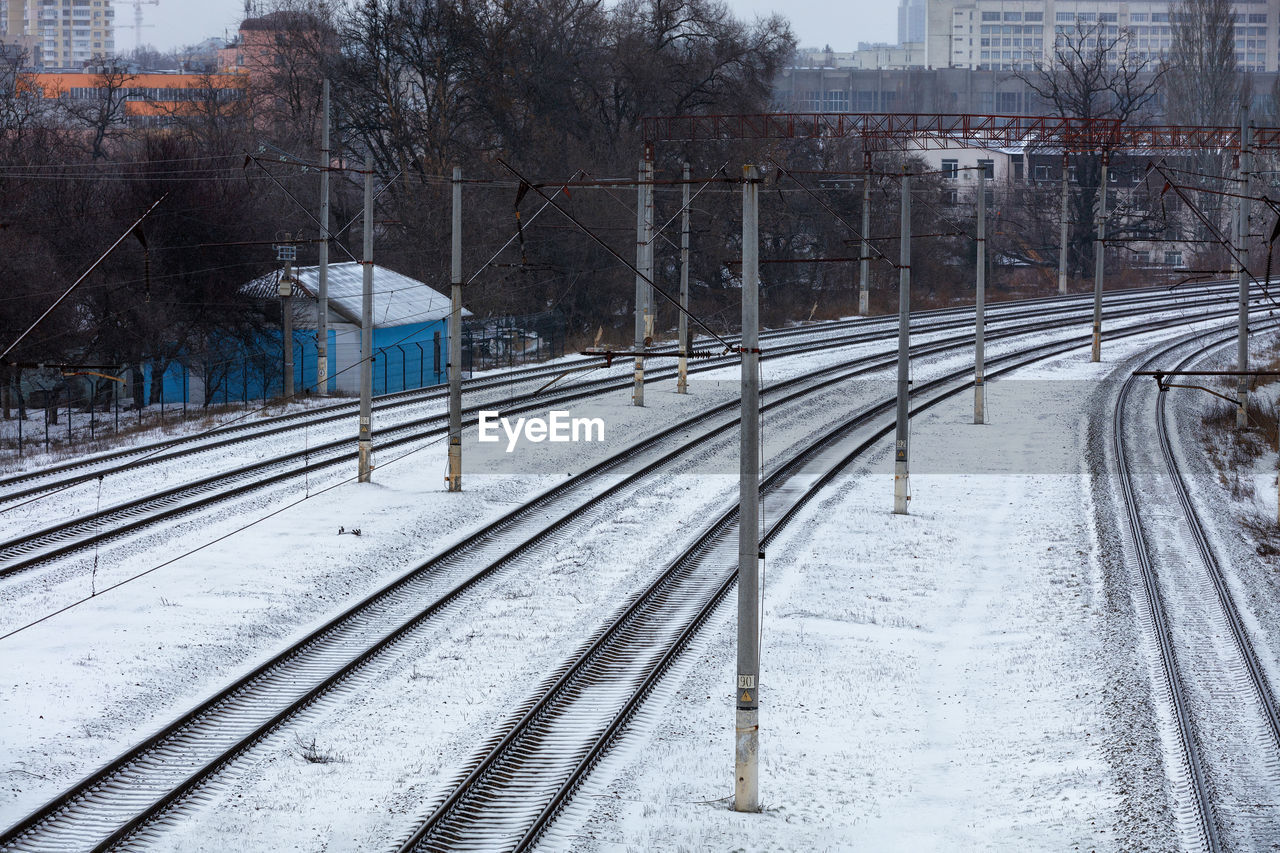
513 788
514 386
1220 710
116 521
115 801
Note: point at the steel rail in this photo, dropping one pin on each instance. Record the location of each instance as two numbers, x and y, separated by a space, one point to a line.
1231 611
37 547
55 811
1206 821
469 798
232 434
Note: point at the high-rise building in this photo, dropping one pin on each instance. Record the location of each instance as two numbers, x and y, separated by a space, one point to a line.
60 33
1012 35
913 16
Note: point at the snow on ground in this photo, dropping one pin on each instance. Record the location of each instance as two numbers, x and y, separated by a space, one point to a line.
962 678
82 685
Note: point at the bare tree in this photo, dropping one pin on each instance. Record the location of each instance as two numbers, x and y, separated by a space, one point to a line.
1201 80
1203 87
1096 72
101 108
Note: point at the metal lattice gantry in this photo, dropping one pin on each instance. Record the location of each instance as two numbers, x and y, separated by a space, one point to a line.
885 131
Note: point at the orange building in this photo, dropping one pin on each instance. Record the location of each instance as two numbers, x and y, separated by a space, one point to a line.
145 95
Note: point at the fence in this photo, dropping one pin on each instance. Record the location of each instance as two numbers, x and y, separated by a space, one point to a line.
508 341
80 411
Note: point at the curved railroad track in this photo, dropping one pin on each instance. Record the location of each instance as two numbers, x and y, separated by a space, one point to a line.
1219 700
91 530
123 797
23 486
513 788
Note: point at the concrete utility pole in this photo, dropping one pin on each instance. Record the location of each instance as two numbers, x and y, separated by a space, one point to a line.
1242 254
322 295
1062 232
286 322
1099 261
979 415
746 789
366 332
642 287
454 477
647 269
864 266
682 383
900 490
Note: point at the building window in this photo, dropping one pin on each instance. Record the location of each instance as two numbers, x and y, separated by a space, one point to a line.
1173 259
990 16
836 102
1033 16
951 169
988 168
1013 16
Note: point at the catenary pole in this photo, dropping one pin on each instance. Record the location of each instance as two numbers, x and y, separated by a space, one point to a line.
1242 255
746 791
864 266
366 332
1099 261
322 294
637 391
900 456
682 383
1062 229
647 269
286 322
979 391
455 341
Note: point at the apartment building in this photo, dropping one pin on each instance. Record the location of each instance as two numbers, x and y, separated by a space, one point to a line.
59 33
1010 35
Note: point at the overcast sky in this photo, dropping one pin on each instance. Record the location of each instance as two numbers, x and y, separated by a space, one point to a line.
816 22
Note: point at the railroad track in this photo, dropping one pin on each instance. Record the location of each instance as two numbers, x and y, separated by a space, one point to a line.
123 798
24 486
512 789
68 536
1207 684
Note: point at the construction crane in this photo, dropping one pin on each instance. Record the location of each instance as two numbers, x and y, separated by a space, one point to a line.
137 24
